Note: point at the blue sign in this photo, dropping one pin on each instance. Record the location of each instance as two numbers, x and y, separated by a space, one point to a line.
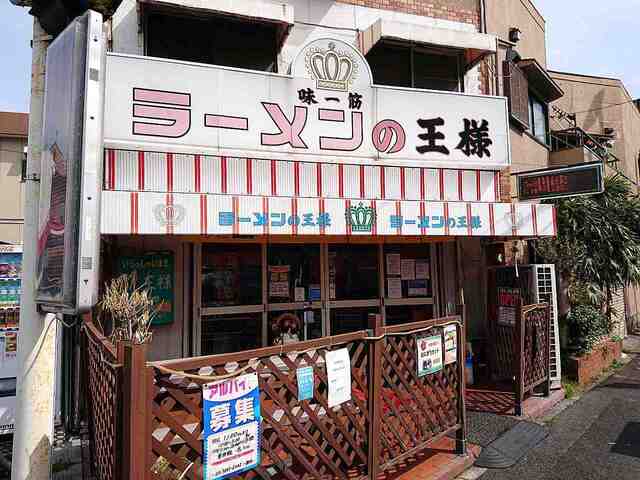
231 426
305 383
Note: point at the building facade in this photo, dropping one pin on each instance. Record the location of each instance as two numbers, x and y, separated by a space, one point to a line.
13 141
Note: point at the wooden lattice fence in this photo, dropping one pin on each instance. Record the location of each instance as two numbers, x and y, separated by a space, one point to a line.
103 392
393 414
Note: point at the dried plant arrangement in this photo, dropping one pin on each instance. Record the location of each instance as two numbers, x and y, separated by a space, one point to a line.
131 308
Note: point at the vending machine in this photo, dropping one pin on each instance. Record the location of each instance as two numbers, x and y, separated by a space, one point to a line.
10 287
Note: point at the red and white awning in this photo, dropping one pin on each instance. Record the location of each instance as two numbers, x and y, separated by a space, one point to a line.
167 193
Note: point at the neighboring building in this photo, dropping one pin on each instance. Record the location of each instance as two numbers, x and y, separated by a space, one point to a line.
606 126
13 142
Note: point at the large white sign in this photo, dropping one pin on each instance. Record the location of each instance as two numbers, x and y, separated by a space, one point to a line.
327 110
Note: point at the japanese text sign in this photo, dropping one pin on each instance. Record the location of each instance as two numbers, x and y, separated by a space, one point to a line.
231 426
155 271
429 354
585 179
328 110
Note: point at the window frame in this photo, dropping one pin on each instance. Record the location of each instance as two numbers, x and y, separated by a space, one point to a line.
531 130
414 48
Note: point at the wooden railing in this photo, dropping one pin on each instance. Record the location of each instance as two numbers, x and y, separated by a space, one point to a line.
393 413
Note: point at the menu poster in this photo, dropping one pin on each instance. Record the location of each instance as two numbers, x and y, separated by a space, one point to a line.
394 288
279 281
408 268
299 294
338 377
393 264
422 270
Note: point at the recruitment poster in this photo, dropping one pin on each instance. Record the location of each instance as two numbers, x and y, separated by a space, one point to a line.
231 426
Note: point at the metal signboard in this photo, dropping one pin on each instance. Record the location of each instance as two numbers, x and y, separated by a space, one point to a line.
327 110
70 185
586 179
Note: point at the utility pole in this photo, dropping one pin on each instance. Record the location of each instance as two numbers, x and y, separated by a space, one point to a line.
33 435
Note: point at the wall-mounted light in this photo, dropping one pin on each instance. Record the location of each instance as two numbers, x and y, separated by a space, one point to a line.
515 34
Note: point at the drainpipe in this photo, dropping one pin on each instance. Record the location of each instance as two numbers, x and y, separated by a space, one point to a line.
33 437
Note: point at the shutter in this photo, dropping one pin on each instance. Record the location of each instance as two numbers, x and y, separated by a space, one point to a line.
516 89
545 291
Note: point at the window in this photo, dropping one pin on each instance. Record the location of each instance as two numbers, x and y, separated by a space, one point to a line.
212 40
516 89
416 67
538 121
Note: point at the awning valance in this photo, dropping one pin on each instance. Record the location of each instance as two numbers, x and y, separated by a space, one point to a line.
154 193
475 45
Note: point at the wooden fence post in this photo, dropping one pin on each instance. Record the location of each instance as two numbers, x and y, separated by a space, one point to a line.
520 331
375 396
134 411
461 433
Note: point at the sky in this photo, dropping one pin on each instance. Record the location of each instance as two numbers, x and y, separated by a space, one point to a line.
591 37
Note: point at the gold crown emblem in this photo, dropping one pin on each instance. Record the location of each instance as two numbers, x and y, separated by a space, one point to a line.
332 69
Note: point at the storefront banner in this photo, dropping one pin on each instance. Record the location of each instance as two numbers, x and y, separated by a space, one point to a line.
231 426
429 354
149 213
450 344
338 377
327 110
305 383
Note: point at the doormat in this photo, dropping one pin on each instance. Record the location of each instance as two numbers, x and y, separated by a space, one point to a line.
511 446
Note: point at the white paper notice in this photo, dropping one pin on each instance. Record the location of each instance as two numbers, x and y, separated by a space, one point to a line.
408 269
393 264
450 344
422 270
338 376
394 288
299 294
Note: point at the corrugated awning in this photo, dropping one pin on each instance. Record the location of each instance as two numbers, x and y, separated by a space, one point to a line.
475 45
540 79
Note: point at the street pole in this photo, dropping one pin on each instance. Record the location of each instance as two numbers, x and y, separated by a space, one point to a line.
33 435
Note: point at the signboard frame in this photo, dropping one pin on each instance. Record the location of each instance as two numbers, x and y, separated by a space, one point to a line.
69 219
597 167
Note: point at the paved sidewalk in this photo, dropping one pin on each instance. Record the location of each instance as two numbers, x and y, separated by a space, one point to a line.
595 438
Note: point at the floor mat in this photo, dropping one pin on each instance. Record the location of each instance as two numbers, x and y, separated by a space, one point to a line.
512 445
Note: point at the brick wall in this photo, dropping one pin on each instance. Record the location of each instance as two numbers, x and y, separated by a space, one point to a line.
466 11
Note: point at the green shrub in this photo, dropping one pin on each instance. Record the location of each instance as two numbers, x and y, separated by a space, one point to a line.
587 326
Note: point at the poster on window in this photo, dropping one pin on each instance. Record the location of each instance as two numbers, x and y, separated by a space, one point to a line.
429 355
338 377
231 429
393 264
279 281
450 344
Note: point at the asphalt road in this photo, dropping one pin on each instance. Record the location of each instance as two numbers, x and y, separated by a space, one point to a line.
598 437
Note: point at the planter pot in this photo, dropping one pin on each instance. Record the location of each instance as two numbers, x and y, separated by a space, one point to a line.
586 368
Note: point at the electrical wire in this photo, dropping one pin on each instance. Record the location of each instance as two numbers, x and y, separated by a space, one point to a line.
605 107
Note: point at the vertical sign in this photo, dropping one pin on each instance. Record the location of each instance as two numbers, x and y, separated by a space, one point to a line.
338 377
429 355
231 430
155 271
450 344
305 383
70 183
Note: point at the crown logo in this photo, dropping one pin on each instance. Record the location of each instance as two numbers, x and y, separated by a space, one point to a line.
360 218
331 68
169 215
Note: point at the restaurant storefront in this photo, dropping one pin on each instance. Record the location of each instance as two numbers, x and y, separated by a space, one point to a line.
279 217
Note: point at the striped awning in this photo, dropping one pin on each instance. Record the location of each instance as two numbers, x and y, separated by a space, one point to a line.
190 194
